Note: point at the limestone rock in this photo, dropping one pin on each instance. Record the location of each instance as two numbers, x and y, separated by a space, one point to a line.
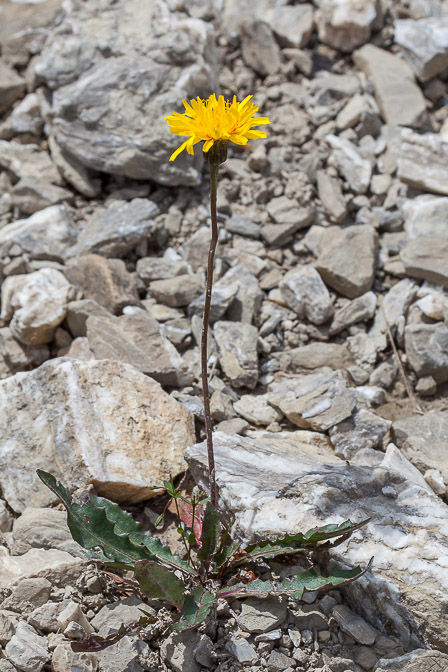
137 339
347 259
177 651
8 625
261 615
314 356
360 309
304 291
354 625
45 235
27 650
259 49
115 78
426 259
237 343
43 528
73 172
125 657
362 430
330 194
12 86
31 195
91 438
23 30
274 491
58 567
222 298
399 98
28 595
292 26
20 357
256 409
427 350
247 301
159 268
79 311
178 291
28 161
415 661
423 439
63 659
346 24
116 230
423 161
316 401
105 281
356 170
425 44
36 304
110 617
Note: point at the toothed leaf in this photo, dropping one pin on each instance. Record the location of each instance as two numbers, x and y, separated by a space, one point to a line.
158 582
211 532
99 523
196 608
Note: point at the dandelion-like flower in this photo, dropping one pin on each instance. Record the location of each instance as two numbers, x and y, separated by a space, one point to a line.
212 121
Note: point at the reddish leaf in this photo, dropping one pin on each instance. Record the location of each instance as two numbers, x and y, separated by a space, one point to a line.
186 515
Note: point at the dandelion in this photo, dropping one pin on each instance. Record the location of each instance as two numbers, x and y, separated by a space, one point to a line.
214 122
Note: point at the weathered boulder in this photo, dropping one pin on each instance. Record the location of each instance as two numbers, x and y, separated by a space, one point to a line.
100 422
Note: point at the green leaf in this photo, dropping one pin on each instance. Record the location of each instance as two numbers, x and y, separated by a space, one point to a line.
225 553
311 540
158 582
210 537
307 581
99 523
196 608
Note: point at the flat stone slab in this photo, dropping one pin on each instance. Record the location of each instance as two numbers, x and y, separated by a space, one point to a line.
277 488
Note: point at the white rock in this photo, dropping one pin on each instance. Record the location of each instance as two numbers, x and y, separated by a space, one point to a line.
346 24
100 422
292 26
27 650
274 490
356 170
59 567
36 304
423 161
425 215
50 226
26 116
306 293
394 459
256 409
434 479
74 613
425 44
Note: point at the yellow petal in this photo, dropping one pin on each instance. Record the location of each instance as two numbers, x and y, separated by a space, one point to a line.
180 149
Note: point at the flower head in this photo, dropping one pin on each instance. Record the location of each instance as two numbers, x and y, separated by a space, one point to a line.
214 120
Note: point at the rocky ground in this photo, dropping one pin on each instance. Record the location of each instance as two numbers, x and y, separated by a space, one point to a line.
329 346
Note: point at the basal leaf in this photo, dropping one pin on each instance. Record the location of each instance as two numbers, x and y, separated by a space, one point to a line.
307 581
158 582
99 523
211 534
196 608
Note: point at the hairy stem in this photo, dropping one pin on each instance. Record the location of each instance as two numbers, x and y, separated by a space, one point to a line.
214 168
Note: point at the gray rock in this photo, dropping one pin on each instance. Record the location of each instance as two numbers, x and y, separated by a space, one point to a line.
316 401
331 197
31 195
27 650
415 661
347 259
153 68
79 311
35 304
45 235
424 44
116 230
328 94
261 615
105 281
137 339
12 86
304 291
408 523
43 528
110 617
425 216
426 259
292 26
159 268
237 344
362 112
259 49
256 409
90 438
222 298
28 161
247 302
20 357
241 650
243 226
284 210
73 172
393 83
306 616
64 659
45 617
277 662
422 161
427 350
8 625
28 595
346 25
204 652
178 291
314 356
124 658
356 169
177 651
362 430
360 309
58 567
423 439
354 625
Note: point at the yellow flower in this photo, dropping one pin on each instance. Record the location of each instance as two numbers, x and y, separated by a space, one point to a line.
214 120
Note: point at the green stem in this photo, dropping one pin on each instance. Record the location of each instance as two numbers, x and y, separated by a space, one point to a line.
214 169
